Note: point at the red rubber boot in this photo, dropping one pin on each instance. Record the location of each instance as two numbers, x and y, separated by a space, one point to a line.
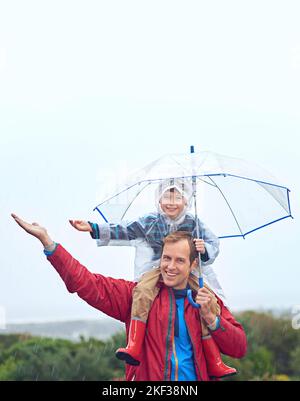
215 366
131 354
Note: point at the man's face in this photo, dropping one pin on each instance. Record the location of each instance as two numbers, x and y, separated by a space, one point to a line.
175 264
172 203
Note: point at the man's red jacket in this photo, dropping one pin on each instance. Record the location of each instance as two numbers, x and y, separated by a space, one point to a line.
114 298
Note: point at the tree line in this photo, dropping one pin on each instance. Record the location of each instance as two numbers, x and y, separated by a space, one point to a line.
273 354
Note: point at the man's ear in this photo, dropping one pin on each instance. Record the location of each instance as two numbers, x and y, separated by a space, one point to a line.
194 264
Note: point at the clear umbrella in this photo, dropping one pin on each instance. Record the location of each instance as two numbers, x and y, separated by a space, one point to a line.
234 197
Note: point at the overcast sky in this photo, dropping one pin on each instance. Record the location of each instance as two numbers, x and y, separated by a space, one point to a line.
91 89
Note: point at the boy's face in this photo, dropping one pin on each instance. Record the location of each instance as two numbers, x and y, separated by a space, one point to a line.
172 203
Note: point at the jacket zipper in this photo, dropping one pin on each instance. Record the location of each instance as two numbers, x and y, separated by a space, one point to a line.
166 375
168 341
195 353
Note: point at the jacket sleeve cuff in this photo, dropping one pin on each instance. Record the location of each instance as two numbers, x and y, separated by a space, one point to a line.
95 230
49 252
215 325
204 256
104 234
101 233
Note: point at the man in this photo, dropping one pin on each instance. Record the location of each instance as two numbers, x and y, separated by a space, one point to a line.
146 233
172 349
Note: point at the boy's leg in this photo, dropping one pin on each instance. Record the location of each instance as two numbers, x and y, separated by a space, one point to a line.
215 366
143 296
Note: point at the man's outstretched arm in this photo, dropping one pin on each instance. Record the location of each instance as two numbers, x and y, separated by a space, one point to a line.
111 296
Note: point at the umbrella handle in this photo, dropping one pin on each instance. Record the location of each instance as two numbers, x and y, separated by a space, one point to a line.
190 296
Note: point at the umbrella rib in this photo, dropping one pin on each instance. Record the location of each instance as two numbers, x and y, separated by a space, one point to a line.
237 223
134 200
206 182
149 181
177 162
119 193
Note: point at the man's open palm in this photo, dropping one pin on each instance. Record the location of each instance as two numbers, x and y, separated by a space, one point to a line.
34 229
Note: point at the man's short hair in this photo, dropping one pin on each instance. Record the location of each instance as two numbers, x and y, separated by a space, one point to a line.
177 236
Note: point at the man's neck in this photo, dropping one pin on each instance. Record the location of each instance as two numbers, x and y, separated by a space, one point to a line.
180 293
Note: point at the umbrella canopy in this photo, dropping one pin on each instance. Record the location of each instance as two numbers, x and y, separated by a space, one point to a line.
234 197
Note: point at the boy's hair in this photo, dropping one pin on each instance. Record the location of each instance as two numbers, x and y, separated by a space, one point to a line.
177 236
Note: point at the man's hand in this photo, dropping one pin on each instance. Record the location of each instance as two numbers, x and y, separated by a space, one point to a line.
204 298
34 229
200 245
81 225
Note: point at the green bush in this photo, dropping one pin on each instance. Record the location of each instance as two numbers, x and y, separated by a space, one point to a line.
272 348
47 359
273 354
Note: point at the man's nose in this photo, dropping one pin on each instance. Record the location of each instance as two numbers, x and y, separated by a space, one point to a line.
171 265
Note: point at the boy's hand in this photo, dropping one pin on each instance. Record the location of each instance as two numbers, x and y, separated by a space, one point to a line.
81 225
200 245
